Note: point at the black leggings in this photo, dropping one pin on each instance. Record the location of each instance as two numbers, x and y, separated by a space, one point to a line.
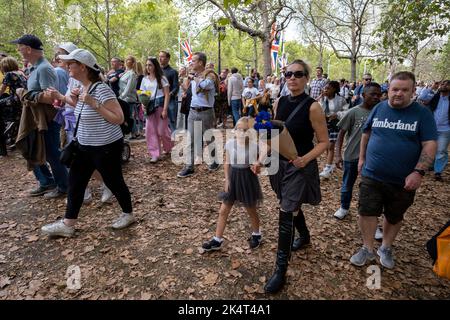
107 160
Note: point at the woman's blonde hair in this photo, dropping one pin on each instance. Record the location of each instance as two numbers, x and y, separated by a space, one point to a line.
243 120
133 60
9 64
139 68
305 66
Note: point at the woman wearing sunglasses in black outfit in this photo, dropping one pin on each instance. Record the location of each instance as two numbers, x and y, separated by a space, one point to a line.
297 182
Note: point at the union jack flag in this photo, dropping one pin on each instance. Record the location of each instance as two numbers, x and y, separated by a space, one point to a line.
187 50
275 46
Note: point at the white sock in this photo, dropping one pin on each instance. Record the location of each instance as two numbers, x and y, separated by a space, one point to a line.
256 233
218 239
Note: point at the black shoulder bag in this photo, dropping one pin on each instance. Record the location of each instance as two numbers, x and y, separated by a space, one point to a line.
69 153
150 108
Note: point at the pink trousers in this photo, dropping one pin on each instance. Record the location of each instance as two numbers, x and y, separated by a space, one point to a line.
157 130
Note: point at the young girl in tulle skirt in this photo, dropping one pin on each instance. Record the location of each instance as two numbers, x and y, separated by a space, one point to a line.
242 186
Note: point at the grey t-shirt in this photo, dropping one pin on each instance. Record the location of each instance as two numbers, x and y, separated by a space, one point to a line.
241 156
352 122
42 76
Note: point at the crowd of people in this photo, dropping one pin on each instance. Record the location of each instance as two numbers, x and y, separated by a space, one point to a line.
389 134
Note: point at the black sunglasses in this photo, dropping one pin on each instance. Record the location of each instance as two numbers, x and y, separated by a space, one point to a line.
296 74
368 79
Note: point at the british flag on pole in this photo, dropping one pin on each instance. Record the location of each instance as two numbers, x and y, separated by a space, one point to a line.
275 47
187 50
282 55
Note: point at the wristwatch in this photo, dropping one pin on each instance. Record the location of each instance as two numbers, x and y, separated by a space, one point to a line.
419 171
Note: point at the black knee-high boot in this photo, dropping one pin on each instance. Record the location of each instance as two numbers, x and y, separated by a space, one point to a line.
285 238
300 224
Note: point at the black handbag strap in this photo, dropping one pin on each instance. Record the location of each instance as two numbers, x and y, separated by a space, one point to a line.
299 107
156 91
91 89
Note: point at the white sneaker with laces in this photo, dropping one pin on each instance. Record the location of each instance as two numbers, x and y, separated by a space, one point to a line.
58 228
107 194
124 220
326 173
340 213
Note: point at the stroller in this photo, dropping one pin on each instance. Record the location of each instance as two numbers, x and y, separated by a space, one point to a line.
126 127
10 112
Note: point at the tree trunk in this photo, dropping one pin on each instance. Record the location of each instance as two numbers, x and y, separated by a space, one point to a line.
255 52
266 41
353 54
354 62
414 56
266 51
24 23
320 55
108 40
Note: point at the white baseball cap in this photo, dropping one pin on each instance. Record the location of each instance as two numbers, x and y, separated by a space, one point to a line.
67 46
83 56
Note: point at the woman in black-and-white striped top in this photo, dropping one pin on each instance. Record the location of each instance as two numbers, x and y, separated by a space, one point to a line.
100 143
94 129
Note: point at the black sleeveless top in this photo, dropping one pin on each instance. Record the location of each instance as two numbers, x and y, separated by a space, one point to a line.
299 126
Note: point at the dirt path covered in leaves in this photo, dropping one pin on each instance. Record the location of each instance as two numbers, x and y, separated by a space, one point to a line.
159 257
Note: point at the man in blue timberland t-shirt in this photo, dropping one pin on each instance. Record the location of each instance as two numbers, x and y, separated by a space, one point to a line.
397 146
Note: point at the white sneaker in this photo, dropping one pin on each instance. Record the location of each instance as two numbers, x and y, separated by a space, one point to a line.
87 196
107 194
379 234
326 173
124 220
154 159
340 213
58 228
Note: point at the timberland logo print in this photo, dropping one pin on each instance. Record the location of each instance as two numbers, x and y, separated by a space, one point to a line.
399 125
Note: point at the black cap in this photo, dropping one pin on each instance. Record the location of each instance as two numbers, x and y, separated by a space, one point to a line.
30 40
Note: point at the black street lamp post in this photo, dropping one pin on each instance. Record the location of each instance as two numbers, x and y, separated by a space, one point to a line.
219 30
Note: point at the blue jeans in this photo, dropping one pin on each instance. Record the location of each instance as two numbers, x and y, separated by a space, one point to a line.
44 176
442 151
236 109
251 111
172 114
348 181
52 152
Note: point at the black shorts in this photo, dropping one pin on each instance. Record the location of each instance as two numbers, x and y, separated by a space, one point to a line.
376 198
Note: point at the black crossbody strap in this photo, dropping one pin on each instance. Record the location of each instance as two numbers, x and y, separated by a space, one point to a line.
156 92
300 106
90 90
